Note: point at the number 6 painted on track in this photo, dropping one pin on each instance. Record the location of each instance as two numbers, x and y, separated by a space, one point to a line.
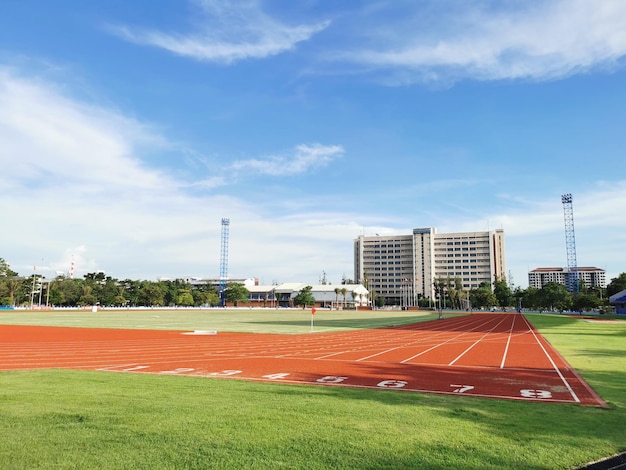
392 384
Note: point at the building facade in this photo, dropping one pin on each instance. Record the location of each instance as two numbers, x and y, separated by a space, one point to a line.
403 268
592 277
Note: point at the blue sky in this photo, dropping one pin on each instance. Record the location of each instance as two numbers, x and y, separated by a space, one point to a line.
130 129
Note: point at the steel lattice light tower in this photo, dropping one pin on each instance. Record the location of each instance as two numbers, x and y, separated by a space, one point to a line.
224 260
570 244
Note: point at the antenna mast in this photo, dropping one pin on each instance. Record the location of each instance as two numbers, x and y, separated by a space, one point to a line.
570 244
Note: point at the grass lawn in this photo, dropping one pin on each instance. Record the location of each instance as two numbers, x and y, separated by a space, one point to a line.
72 419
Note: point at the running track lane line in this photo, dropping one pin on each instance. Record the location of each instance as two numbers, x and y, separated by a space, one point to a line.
508 342
477 341
461 334
558 371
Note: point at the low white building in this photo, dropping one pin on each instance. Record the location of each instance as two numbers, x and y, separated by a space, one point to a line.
325 295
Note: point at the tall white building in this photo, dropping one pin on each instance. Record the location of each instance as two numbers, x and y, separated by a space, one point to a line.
592 277
403 268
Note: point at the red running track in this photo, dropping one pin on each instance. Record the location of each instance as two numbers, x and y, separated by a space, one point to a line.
486 355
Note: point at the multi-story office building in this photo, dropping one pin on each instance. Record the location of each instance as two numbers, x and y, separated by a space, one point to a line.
592 277
403 268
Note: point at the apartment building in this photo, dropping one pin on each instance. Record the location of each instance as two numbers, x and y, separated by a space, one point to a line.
591 276
403 268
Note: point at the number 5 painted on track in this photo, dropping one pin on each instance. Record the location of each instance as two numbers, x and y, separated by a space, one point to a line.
331 379
462 388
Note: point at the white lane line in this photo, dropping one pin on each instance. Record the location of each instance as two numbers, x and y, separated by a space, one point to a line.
443 331
508 342
476 342
463 333
558 371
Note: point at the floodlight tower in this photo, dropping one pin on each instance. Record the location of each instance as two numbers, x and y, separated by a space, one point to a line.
570 244
224 261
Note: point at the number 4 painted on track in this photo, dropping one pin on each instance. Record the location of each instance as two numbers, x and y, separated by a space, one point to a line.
462 388
280 375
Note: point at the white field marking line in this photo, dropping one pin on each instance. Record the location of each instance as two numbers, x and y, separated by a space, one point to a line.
508 342
558 371
463 332
476 342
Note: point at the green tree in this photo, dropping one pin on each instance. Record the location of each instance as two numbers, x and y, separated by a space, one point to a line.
304 297
503 293
554 296
185 298
616 285
585 302
454 289
88 298
151 294
5 269
483 297
236 293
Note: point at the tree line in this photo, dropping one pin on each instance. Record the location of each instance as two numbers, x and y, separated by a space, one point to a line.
100 289
552 297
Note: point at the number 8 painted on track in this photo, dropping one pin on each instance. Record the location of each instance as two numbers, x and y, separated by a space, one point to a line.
528 393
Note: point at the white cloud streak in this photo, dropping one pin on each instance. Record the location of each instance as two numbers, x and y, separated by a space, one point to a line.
304 158
229 32
48 137
536 41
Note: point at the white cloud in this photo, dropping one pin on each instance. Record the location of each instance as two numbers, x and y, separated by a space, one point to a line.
75 185
49 139
230 31
537 40
304 157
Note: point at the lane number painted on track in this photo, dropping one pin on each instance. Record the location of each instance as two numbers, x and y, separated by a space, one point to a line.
130 369
462 388
331 379
278 376
180 370
529 393
392 384
225 373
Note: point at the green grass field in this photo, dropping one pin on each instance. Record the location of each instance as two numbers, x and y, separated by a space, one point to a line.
72 419
284 321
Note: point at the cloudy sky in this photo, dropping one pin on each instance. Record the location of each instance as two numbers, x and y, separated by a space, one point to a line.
128 130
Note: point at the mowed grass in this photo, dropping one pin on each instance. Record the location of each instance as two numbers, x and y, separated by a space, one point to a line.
285 321
67 419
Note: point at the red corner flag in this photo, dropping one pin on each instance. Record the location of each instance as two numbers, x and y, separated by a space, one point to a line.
313 311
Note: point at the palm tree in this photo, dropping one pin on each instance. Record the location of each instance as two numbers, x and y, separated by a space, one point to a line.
337 290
